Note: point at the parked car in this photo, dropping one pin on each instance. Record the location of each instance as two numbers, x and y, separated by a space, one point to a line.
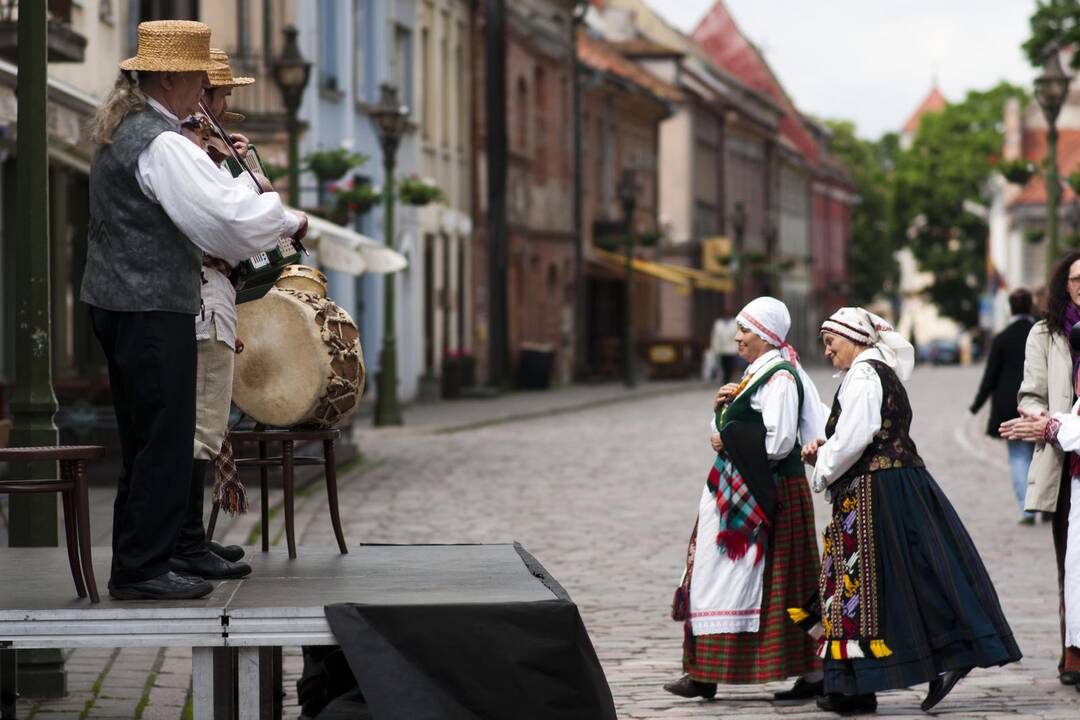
941 351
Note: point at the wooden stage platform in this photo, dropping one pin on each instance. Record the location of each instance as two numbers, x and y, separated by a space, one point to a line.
280 604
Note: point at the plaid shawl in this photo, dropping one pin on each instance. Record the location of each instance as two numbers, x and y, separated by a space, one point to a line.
742 522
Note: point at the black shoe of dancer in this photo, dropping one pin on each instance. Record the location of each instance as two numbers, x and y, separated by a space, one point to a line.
688 687
941 686
232 553
803 689
1069 677
207 565
848 704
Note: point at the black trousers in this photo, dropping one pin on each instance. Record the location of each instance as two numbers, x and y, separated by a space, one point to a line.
152 369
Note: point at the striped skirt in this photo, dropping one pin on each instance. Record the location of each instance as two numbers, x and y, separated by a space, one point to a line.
779 649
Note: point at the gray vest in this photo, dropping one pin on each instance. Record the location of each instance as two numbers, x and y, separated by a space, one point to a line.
136 259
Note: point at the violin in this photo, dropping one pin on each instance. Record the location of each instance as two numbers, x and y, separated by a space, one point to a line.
208 140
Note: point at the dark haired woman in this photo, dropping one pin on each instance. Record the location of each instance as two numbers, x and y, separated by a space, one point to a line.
904 597
1049 369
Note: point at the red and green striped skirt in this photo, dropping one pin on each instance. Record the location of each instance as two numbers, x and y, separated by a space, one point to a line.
779 649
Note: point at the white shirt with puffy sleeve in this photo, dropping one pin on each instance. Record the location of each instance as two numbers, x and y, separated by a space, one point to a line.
860 398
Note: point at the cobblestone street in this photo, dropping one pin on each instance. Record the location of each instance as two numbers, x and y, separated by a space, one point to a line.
604 496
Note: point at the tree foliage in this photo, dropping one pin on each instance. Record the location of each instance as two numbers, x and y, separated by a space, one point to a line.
1055 24
871 262
949 163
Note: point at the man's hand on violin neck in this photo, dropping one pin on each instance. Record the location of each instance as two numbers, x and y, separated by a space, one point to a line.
240 142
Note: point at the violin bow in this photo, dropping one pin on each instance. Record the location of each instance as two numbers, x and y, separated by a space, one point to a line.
216 126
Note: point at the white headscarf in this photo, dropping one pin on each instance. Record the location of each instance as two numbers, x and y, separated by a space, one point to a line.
769 319
863 327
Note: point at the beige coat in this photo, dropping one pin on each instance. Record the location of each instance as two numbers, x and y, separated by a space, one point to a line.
1047 386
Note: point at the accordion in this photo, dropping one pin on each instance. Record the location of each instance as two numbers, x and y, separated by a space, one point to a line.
254 277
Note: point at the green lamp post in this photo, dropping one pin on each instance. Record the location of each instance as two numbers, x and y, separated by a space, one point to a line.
390 118
1051 90
627 191
291 74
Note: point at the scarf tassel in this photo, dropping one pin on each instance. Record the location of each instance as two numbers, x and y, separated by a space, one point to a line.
232 497
737 544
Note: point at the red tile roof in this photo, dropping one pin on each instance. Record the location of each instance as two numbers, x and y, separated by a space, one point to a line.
934 102
721 37
1034 149
602 55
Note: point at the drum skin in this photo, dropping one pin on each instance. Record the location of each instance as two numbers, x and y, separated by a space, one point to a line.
302 364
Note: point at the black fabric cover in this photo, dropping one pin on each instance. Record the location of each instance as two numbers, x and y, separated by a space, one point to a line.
744 443
467 661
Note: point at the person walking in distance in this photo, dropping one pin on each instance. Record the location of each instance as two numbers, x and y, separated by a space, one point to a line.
1001 382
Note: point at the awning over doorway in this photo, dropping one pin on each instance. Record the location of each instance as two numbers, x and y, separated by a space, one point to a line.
678 275
340 248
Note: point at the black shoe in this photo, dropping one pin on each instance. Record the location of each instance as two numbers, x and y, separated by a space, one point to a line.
232 553
688 687
941 686
167 586
208 565
803 689
1069 677
848 704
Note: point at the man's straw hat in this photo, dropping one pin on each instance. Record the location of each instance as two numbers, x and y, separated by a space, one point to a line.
224 77
172 46
232 118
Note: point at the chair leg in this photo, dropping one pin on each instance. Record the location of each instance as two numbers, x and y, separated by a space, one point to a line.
330 465
212 522
264 501
82 504
71 537
287 483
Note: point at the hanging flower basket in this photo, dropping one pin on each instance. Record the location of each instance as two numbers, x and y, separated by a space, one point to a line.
418 191
357 199
1017 171
1034 235
331 164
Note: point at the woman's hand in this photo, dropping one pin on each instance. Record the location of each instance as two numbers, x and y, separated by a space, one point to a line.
724 395
1029 427
809 451
717 443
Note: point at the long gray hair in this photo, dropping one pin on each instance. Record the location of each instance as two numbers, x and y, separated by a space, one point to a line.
125 98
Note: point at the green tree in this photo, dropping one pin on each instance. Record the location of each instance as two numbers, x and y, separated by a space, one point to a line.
1055 24
871 264
948 163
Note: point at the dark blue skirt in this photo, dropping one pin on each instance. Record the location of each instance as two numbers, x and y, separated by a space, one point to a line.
939 609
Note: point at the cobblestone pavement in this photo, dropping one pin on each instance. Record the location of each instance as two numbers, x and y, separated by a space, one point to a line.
605 497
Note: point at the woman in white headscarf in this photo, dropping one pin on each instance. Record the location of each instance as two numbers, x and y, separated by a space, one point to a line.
904 596
754 550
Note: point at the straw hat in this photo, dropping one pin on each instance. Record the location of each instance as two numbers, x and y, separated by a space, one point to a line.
224 76
172 46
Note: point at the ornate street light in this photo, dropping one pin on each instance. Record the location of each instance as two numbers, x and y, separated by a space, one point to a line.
628 190
738 225
390 118
291 74
1051 90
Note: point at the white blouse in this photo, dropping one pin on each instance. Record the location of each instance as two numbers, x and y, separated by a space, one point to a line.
1068 435
860 419
778 402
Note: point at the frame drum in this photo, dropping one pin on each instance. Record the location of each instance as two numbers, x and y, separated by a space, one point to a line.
302 362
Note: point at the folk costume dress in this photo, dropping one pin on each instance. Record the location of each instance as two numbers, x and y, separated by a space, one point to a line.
746 564
903 594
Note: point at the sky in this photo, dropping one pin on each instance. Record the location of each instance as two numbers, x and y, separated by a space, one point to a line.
873 61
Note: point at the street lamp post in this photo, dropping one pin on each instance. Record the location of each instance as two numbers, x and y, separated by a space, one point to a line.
390 118
628 190
1051 89
291 74
738 225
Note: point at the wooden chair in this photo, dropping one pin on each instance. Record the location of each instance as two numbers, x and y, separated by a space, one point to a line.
76 501
288 460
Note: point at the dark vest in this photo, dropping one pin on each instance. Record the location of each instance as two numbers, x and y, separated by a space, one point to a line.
136 259
892 446
740 409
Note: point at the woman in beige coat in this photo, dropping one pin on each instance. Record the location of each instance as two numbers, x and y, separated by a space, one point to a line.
1047 388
